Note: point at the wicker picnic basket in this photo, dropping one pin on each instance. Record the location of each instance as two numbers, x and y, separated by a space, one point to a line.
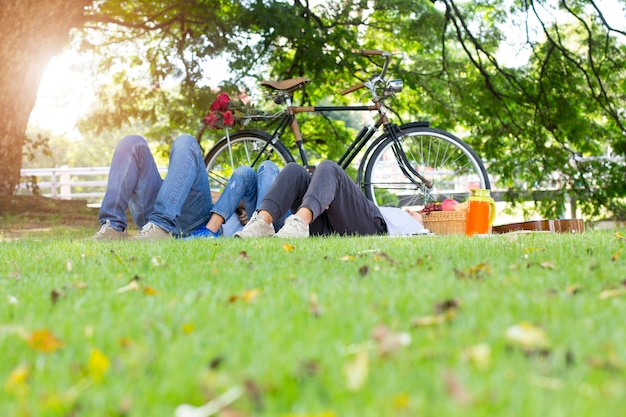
446 222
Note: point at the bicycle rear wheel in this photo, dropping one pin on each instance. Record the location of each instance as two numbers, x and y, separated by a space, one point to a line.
246 147
442 158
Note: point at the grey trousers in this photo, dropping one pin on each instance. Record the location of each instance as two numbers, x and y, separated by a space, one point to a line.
337 203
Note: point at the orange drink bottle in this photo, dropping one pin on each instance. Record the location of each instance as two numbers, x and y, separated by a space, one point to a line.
482 212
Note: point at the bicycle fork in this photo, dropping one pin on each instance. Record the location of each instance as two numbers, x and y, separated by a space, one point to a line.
405 166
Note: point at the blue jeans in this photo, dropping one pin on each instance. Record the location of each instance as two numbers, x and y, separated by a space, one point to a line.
247 186
182 202
179 204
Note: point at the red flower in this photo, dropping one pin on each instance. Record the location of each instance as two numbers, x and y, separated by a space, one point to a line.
221 115
211 119
221 102
228 118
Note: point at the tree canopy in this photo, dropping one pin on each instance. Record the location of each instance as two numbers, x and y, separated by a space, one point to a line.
554 116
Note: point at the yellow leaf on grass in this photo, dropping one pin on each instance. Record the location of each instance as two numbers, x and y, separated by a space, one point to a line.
616 255
98 365
479 355
288 248
612 293
401 400
44 341
356 371
149 290
17 382
188 328
247 296
527 336
250 295
132 286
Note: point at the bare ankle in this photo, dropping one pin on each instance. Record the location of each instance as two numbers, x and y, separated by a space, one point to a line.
266 216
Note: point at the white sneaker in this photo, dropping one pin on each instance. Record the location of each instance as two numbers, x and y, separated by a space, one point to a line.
106 232
152 232
256 227
294 228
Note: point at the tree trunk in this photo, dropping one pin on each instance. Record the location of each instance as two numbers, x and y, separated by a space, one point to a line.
31 33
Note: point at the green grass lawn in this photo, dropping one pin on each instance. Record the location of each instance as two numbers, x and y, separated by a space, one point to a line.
511 325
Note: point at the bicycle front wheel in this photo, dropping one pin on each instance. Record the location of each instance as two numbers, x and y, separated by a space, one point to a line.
449 164
246 147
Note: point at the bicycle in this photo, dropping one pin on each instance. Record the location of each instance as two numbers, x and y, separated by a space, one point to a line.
406 165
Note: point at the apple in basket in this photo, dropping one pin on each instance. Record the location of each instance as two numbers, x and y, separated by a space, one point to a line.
448 204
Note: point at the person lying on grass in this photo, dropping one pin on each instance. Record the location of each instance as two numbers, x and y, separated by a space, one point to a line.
327 202
181 205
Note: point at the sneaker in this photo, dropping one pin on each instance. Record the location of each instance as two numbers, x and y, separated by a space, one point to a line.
203 233
294 228
152 232
106 232
256 227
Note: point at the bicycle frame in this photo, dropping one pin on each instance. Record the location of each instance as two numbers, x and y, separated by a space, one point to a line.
394 160
364 136
356 146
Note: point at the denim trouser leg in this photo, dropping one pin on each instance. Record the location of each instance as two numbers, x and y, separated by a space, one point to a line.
247 186
134 181
242 185
184 201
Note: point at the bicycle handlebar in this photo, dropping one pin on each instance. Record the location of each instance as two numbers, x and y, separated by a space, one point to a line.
353 88
370 52
366 52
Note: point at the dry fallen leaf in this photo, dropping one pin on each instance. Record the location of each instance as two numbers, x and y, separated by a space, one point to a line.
212 407
427 321
44 341
55 295
388 341
529 337
356 371
610 293
132 286
148 290
314 306
616 255
456 389
247 296
478 355
474 272
288 248
384 256
157 261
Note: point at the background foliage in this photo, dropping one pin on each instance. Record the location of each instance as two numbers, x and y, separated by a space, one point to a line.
555 118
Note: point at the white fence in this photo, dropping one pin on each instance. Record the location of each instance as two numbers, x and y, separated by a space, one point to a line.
68 183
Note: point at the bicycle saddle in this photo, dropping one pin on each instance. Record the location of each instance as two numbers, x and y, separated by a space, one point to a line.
286 85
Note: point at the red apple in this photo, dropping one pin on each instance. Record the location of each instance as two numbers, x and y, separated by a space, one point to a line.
448 204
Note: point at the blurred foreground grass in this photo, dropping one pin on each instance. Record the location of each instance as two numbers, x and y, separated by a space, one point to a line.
511 325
